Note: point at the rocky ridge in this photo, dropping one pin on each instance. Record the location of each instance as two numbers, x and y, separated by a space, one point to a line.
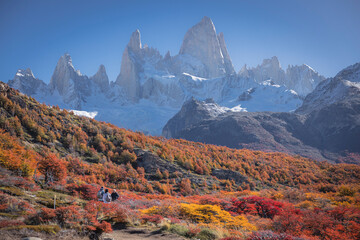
325 127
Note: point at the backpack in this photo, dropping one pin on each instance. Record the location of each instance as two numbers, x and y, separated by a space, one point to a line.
114 196
108 198
100 194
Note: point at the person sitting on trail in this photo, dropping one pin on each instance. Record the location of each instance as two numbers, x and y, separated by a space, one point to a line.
114 195
107 196
100 194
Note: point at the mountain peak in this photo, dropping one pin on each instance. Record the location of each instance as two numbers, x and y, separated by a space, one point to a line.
351 73
25 81
102 68
65 62
101 78
24 73
202 43
65 77
244 71
135 40
167 55
66 58
274 62
206 21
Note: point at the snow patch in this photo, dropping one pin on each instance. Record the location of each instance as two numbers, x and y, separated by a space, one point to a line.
238 108
84 113
194 77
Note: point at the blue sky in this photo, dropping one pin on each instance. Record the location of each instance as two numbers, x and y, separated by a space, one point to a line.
324 34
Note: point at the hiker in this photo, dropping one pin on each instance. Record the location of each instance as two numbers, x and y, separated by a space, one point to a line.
114 195
100 194
107 196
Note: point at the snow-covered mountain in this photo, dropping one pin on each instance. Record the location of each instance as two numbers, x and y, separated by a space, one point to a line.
202 44
302 79
151 88
25 82
345 85
325 127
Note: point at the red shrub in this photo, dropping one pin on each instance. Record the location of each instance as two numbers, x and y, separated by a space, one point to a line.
107 211
68 215
174 220
103 227
232 238
269 235
64 216
339 223
85 191
45 215
264 207
152 218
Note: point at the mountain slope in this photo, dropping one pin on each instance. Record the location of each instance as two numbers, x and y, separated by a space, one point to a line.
44 129
325 127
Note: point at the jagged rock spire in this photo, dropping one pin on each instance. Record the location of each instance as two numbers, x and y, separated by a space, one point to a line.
128 78
70 84
135 40
227 60
101 78
202 43
64 71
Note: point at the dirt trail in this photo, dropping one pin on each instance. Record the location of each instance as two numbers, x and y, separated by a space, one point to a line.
140 234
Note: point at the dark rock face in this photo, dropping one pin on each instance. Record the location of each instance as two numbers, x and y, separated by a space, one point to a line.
151 163
190 114
325 127
336 126
284 132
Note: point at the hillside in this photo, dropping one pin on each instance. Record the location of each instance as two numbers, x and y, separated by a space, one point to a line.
46 151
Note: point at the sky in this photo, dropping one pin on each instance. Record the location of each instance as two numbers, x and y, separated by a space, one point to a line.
325 34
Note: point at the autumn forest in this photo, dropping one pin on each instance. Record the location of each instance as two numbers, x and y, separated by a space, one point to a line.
52 164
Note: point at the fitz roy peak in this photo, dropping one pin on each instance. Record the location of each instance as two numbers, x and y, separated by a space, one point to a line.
151 88
202 43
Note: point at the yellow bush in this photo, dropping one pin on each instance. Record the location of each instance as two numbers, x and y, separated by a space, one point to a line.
214 215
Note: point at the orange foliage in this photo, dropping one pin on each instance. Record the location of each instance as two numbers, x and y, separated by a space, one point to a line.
53 168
